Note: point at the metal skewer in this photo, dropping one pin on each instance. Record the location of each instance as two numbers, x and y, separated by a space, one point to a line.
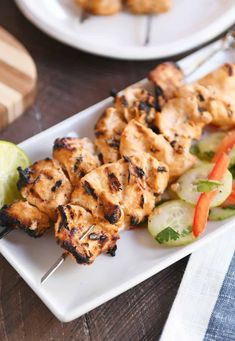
4 231
62 258
148 30
84 15
227 42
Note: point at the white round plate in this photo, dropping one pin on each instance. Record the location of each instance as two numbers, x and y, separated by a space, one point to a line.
187 25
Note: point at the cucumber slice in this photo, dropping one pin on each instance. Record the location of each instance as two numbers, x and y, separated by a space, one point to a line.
170 224
186 187
221 213
209 145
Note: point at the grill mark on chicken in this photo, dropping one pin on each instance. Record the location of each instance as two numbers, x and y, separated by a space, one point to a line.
201 97
142 201
24 177
139 172
73 250
88 188
61 143
112 251
99 133
101 158
77 163
103 238
134 220
36 194
71 213
63 222
173 143
56 185
229 69
124 101
129 176
114 183
162 169
113 143
159 94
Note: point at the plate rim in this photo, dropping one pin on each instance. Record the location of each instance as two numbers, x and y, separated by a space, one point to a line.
132 53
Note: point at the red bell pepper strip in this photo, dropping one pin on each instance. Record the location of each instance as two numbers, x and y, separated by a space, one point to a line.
230 201
201 211
226 145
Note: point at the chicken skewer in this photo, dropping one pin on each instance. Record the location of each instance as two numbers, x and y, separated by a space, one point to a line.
47 184
113 195
207 81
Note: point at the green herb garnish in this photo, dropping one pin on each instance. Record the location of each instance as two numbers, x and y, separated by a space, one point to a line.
204 185
194 150
166 235
208 155
186 231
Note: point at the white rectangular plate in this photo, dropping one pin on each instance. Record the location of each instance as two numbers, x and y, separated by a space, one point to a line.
74 290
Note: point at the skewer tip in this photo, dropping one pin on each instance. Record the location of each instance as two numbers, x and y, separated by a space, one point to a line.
54 267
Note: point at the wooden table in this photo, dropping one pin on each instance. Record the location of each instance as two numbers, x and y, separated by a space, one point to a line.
69 81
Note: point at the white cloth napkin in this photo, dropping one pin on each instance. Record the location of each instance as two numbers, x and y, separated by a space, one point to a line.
199 291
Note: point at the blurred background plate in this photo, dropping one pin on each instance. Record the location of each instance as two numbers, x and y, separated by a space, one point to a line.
189 24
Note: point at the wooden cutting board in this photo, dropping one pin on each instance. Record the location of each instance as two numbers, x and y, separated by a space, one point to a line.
18 76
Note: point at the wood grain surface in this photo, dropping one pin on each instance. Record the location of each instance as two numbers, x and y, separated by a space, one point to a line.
18 77
69 81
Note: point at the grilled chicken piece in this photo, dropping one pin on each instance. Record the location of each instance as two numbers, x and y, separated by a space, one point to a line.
137 138
101 7
21 215
123 193
77 157
221 100
136 103
108 130
131 103
45 186
149 6
79 233
167 78
182 118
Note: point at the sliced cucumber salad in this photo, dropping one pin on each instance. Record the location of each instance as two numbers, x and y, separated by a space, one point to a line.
207 147
221 213
170 224
188 190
